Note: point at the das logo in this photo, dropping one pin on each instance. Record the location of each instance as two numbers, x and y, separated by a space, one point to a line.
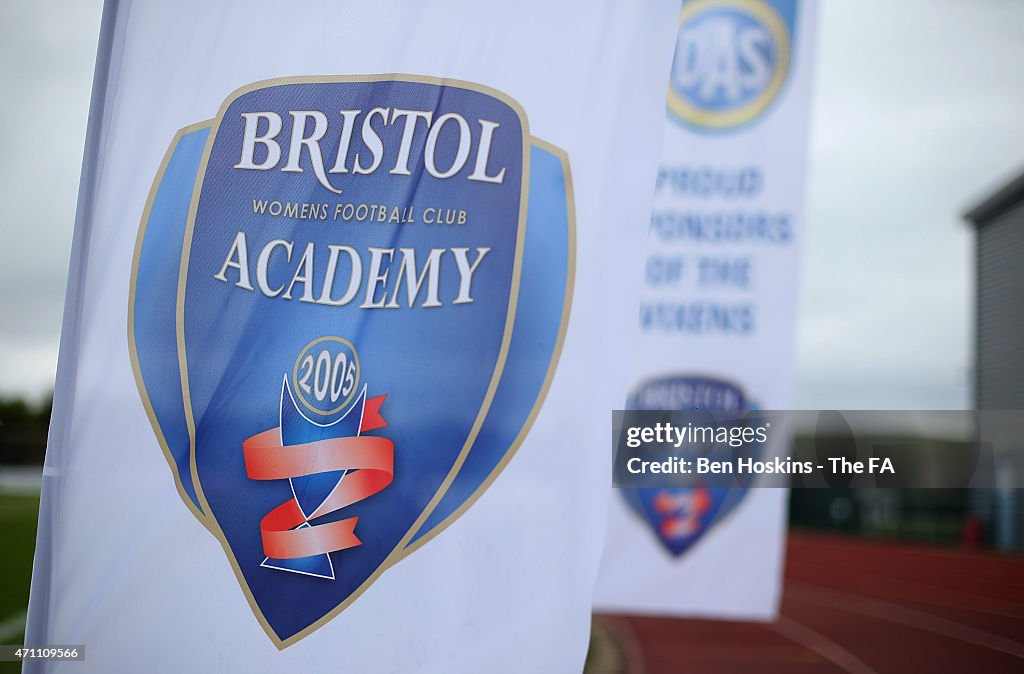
731 60
348 300
681 516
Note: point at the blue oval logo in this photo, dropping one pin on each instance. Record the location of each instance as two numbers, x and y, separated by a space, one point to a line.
326 375
730 62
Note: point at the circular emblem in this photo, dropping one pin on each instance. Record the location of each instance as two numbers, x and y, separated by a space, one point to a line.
326 375
731 59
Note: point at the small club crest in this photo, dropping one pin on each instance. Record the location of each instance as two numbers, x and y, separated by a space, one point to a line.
681 516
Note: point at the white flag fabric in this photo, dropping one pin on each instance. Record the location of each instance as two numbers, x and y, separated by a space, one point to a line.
334 265
718 303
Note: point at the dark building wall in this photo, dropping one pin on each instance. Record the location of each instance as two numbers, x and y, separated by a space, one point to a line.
999 329
999 353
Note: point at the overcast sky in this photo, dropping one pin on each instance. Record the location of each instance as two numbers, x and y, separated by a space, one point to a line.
917 114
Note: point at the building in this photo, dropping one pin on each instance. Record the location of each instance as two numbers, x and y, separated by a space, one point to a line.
999 349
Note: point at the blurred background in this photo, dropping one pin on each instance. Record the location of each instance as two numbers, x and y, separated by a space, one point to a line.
911 298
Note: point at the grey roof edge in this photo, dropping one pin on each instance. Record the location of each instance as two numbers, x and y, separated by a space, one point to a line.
998 202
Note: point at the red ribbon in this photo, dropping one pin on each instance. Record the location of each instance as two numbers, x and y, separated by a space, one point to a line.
370 457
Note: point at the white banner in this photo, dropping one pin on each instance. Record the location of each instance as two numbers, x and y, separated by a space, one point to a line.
717 308
334 265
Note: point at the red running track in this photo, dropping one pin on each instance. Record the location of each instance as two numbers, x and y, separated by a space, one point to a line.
857 606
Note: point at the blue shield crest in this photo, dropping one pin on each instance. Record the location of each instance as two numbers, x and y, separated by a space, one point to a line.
348 299
681 516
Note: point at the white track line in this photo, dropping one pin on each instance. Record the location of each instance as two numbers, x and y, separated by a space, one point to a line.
954 599
822 645
629 645
902 615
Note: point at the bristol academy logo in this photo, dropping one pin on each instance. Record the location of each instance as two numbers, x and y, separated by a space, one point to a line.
348 299
680 516
316 458
732 58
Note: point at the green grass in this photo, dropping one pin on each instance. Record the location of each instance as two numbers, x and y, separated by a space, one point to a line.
18 515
